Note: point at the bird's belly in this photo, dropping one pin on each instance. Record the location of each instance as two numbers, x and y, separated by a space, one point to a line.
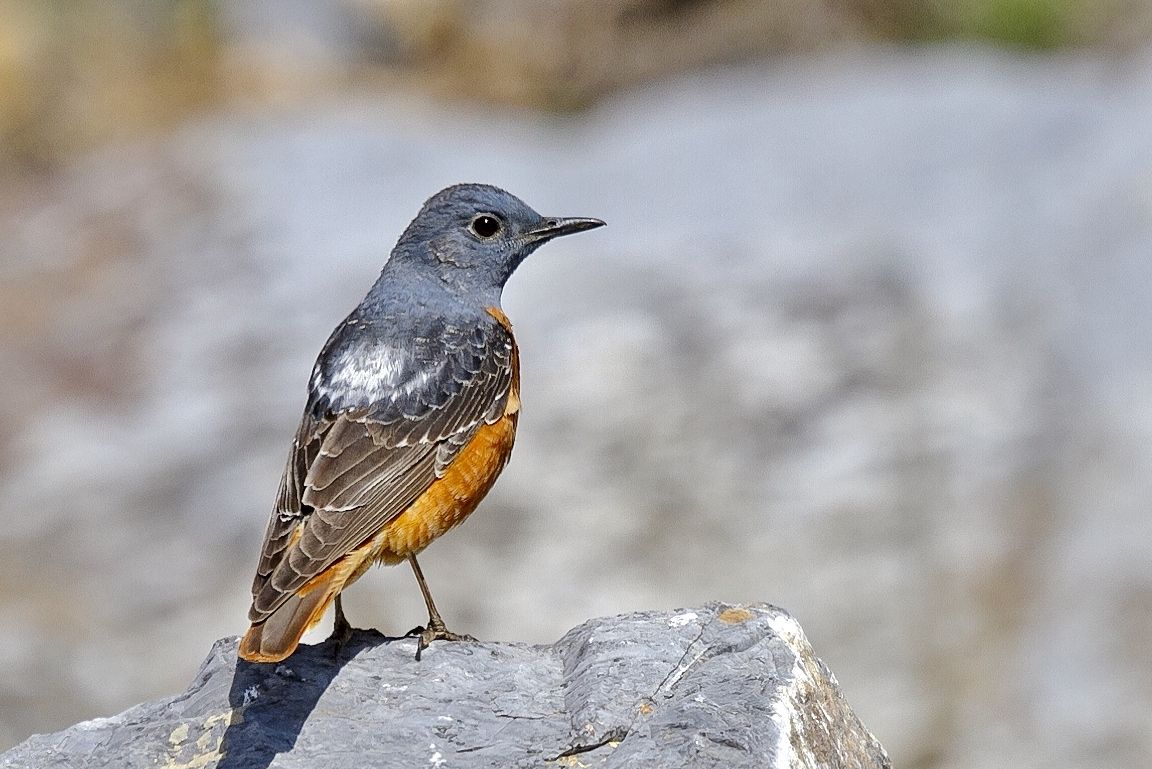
451 498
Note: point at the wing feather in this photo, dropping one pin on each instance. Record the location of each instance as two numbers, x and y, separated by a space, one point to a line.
357 463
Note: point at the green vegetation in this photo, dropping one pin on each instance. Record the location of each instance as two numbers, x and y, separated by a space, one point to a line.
1027 23
1022 24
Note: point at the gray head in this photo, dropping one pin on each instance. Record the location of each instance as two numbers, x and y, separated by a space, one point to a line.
473 236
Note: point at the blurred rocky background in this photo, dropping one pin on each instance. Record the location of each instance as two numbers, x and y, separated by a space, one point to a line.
869 334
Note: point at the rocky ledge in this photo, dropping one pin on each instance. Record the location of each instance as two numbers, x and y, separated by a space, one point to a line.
718 686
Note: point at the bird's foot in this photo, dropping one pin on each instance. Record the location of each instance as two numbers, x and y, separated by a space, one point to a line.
342 632
435 631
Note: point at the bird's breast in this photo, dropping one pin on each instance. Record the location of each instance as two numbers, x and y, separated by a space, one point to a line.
452 497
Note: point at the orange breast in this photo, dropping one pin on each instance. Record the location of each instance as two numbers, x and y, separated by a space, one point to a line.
452 498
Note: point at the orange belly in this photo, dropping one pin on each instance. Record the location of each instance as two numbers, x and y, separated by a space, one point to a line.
452 498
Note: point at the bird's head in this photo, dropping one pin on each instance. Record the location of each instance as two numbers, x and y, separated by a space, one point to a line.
473 236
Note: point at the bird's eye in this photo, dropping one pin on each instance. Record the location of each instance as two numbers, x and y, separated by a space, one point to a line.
485 226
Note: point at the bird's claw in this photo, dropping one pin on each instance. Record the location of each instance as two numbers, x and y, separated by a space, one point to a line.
434 632
342 632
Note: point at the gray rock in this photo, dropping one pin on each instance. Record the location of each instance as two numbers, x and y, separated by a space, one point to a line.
722 685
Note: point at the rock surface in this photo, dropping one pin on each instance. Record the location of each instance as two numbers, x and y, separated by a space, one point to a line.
721 685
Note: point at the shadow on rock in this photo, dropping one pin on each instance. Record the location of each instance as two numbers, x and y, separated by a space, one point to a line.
272 701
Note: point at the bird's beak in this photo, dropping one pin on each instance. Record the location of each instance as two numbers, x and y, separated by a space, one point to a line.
554 227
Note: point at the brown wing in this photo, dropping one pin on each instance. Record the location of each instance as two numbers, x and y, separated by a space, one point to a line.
352 469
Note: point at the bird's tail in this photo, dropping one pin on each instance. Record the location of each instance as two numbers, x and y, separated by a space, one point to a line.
277 635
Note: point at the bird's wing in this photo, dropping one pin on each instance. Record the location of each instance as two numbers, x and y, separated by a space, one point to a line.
361 457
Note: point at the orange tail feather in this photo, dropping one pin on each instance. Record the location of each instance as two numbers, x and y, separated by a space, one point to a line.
277 636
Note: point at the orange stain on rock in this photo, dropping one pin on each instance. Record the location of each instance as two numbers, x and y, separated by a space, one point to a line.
734 615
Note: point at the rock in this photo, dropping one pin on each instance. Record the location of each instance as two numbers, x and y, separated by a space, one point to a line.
721 685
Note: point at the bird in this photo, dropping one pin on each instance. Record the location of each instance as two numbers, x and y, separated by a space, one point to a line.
411 414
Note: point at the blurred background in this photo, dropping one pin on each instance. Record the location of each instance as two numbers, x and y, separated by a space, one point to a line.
868 337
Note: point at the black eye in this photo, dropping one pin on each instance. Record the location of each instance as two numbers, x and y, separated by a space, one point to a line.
485 226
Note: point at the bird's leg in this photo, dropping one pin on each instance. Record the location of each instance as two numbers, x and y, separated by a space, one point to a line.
435 630
341 628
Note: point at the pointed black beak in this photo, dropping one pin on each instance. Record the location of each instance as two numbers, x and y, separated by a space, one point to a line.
555 227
